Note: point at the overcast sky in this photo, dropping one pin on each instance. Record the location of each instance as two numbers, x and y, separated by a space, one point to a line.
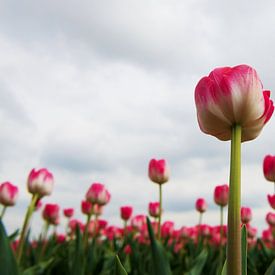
92 90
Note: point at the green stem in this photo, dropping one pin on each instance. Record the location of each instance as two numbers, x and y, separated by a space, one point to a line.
234 225
221 225
25 226
3 212
44 240
200 219
85 237
160 213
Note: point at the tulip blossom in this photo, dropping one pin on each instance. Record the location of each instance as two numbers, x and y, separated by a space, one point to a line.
98 194
126 212
51 213
221 195
271 200
40 182
201 205
138 221
8 194
158 171
270 219
154 209
269 168
246 215
68 212
230 96
86 207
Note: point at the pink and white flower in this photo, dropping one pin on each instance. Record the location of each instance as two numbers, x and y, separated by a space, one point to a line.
8 194
158 171
98 194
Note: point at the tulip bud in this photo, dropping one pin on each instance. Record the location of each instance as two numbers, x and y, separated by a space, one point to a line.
68 212
98 194
126 212
246 215
86 207
269 168
221 195
8 194
40 182
230 96
270 219
154 209
51 213
271 200
158 171
201 205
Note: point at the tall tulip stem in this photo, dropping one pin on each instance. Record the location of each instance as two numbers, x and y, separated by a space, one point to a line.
24 230
3 212
234 229
160 210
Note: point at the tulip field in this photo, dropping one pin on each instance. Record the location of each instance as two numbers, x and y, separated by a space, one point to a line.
231 105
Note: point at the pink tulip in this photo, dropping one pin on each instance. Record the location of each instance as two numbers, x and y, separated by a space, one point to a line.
40 182
167 229
154 209
269 168
98 194
60 238
246 215
127 249
267 235
86 207
251 231
68 212
158 171
271 200
74 223
102 224
126 212
201 205
98 209
270 219
230 96
138 221
50 213
221 195
8 194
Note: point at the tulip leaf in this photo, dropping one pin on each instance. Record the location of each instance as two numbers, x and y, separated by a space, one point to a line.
14 235
160 262
244 250
224 272
271 269
199 263
8 264
120 270
40 268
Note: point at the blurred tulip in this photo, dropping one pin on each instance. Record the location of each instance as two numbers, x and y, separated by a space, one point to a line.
51 213
138 221
68 212
270 219
86 207
201 205
40 182
221 195
98 194
246 215
269 168
8 194
126 212
154 209
167 229
158 171
271 200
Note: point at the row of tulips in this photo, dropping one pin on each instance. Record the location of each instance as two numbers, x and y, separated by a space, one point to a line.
231 105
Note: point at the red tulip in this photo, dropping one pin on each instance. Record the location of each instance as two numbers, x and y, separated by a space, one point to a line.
269 168
246 215
8 194
271 200
167 229
86 207
154 209
158 171
270 219
201 205
98 194
73 224
138 221
40 182
126 212
230 96
221 195
50 213
68 212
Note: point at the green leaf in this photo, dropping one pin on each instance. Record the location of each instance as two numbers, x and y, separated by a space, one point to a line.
40 268
224 272
13 236
244 250
271 269
120 270
8 264
160 261
199 263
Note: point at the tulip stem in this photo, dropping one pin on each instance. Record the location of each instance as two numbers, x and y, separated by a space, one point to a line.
85 236
221 225
3 212
200 218
160 213
234 229
28 215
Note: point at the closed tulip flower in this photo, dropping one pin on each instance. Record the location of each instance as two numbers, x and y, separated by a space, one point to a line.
158 171
86 207
98 194
51 212
230 96
154 209
8 194
246 214
68 212
269 168
126 212
201 205
221 195
271 200
270 219
40 182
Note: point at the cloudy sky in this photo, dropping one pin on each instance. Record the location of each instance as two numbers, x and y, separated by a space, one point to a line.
93 90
